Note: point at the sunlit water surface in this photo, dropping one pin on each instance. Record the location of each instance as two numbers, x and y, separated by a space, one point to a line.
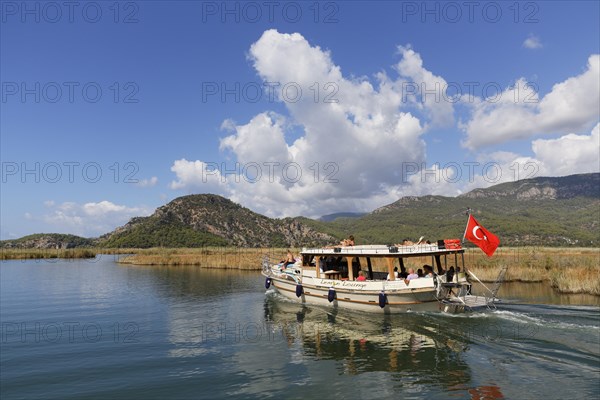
94 328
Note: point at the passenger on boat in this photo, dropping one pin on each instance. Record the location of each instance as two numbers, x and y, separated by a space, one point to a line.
420 273
450 274
428 271
289 259
361 276
395 274
403 274
408 242
411 274
348 242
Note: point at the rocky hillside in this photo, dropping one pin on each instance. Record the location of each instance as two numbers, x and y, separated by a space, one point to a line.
561 211
204 220
565 187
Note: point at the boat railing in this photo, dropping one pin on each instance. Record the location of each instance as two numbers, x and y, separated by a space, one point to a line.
370 250
266 264
499 281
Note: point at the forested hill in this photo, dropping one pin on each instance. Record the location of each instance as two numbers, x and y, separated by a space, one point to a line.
209 220
563 211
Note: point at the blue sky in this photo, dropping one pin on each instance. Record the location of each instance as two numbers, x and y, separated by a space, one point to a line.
110 110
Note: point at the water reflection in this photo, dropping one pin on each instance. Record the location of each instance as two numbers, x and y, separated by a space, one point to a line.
411 346
202 308
195 282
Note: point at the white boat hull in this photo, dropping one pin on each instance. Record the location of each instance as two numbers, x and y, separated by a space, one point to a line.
397 301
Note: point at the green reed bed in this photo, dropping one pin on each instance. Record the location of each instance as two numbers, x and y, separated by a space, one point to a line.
25 254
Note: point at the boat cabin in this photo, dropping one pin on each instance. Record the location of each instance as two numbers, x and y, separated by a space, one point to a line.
343 263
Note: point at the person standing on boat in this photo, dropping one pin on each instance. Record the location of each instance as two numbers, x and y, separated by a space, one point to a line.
361 276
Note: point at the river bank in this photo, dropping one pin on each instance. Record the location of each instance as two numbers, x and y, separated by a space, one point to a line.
33 254
567 270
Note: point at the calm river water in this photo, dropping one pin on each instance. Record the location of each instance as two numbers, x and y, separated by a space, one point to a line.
96 329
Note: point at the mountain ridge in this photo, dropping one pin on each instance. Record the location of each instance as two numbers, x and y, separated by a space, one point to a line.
541 211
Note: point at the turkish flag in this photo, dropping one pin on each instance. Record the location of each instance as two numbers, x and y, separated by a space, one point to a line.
484 239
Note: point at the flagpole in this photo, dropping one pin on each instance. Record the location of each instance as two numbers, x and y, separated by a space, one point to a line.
469 211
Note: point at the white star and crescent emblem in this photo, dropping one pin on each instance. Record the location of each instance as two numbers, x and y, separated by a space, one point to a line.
475 233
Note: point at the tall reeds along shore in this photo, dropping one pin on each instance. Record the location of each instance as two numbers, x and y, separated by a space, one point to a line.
207 257
26 254
568 270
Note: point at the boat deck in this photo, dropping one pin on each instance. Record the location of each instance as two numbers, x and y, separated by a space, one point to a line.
471 301
382 251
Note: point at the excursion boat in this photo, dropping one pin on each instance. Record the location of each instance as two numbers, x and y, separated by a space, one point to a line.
327 277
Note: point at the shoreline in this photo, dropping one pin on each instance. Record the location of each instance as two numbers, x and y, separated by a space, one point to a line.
567 270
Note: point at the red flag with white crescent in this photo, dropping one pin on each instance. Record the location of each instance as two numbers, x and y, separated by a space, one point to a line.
484 239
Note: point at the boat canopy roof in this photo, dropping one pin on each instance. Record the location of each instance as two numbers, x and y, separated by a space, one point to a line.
417 250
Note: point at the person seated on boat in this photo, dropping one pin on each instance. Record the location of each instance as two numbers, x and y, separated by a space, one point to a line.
361 276
403 274
428 271
395 274
450 274
420 273
406 242
348 242
411 274
289 259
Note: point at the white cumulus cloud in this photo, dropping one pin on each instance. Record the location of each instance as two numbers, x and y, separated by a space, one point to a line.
342 142
519 113
532 42
89 219
354 135
429 88
195 175
148 182
567 155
